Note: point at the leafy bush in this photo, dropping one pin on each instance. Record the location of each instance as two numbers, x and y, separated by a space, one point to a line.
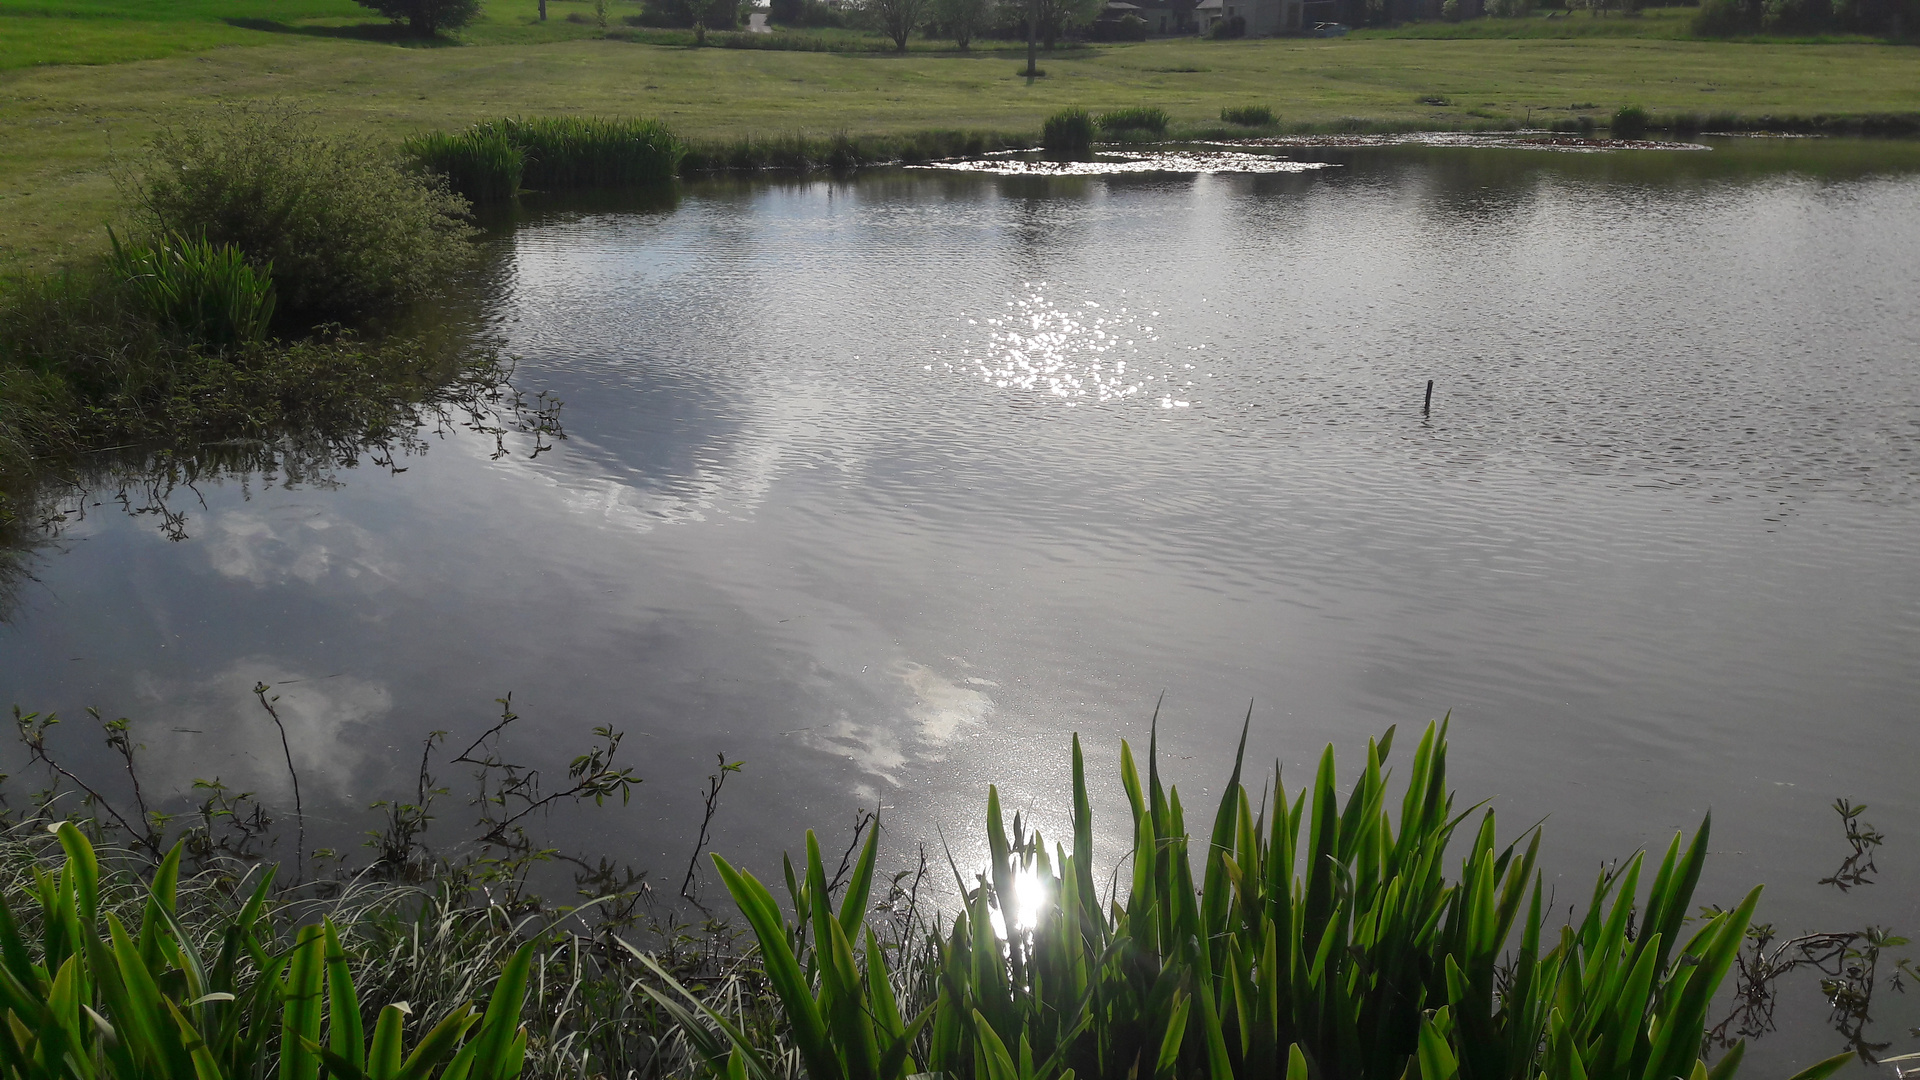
1630 122
1225 29
347 229
1068 129
713 14
1127 27
1139 118
211 294
1367 964
427 17
1249 115
482 164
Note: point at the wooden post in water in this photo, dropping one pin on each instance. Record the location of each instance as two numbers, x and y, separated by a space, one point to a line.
1427 408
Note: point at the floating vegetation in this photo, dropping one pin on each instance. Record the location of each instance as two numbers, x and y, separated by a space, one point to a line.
1505 140
1117 162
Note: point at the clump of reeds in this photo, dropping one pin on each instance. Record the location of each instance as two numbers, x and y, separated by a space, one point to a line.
211 294
480 163
115 986
1630 122
840 153
1147 118
575 152
1068 129
1305 939
1248 115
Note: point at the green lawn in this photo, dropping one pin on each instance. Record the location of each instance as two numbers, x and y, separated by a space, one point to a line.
60 124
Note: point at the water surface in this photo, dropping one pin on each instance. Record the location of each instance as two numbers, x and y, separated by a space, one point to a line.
886 485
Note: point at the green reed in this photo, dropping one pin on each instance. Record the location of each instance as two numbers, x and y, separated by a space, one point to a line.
1068 129
480 163
210 293
1138 118
87 998
1248 116
1322 939
572 152
803 153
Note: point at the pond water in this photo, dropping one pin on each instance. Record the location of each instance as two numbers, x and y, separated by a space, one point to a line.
886 485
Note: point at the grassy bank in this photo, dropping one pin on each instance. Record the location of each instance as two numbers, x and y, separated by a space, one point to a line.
59 126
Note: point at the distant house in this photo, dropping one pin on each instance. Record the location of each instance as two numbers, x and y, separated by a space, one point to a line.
1265 18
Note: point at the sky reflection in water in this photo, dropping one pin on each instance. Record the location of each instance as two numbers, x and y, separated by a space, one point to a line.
857 489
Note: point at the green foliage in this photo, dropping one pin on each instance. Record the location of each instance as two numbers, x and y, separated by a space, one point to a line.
91 1000
962 20
86 361
1249 115
1630 122
481 164
1138 118
712 14
1068 129
347 229
1320 939
211 294
427 17
801 153
1227 29
572 152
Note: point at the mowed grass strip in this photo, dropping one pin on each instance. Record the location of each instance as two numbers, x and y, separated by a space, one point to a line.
60 125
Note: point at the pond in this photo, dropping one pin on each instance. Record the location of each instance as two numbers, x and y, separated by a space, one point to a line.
886 485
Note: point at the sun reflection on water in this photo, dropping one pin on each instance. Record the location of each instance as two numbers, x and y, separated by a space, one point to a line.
1030 896
1080 352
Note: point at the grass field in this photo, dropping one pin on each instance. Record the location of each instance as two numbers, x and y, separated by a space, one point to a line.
61 122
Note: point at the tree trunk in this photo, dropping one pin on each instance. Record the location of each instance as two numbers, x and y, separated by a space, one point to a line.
543 10
1033 26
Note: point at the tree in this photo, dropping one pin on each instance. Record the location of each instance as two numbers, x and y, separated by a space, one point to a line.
427 17
898 19
1056 17
962 19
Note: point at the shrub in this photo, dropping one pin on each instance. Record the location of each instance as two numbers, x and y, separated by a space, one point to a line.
210 294
1249 116
1139 118
712 14
1721 18
1450 10
482 164
1068 129
1630 122
348 230
427 17
1228 28
1125 28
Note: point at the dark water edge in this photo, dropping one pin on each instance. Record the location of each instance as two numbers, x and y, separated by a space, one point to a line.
937 578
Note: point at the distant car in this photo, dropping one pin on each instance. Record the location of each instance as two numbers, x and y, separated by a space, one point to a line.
1330 29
